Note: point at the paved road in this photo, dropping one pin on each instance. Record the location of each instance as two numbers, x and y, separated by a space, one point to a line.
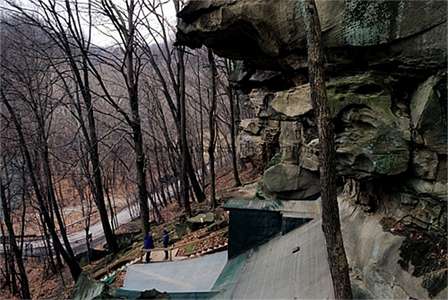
77 239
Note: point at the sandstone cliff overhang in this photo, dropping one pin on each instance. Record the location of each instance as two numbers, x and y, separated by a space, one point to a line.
270 33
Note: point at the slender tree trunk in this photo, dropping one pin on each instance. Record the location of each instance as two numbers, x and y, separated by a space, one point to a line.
201 123
24 284
183 136
6 272
159 174
85 216
152 196
174 184
184 155
109 202
127 195
212 128
12 272
52 196
236 175
46 240
331 224
136 123
199 193
112 194
98 190
140 168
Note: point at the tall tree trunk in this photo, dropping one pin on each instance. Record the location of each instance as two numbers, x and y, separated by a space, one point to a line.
24 284
331 224
140 164
49 252
184 155
136 123
52 196
201 127
198 192
81 76
98 189
6 272
236 175
159 174
212 128
152 196
109 204
12 273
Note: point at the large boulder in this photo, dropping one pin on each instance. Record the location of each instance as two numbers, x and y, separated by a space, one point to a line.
286 105
270 33
371 139
429 113
289 181
293 103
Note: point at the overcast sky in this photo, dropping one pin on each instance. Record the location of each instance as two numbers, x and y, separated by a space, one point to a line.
104 35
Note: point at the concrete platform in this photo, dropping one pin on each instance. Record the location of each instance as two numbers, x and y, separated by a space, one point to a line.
290 266
190 275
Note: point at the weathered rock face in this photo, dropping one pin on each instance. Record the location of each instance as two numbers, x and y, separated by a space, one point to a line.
386 67
257 142
371 140
269 33
387 123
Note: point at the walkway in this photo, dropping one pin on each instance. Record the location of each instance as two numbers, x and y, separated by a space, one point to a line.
190 275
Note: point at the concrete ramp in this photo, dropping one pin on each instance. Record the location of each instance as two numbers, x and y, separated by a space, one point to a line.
190 275
279 270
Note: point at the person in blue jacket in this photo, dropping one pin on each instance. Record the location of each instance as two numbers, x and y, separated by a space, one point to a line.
166 240
148 244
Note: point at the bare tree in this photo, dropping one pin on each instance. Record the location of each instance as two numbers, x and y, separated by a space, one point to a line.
68 36
173 82
229 68
25 79
212 127
73 265
125 23
331 224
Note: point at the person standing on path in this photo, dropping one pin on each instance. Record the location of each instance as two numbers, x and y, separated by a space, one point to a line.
148 244
166 240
